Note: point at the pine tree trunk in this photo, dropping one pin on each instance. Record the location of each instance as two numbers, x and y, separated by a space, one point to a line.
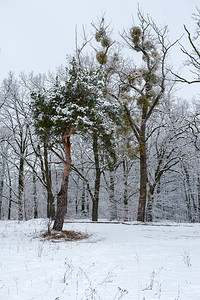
61 206
62 195
143 174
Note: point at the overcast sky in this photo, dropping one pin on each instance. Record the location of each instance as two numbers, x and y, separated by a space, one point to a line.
36 35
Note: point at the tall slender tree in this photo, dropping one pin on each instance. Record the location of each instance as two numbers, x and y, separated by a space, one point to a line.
142 87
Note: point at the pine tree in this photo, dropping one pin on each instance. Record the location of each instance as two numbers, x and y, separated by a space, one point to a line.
75 105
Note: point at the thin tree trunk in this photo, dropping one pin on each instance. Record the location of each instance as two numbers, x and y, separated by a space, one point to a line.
199 198
20 189
191 206
50 197
10 202
83 200
1 184
1 193
143 173
83 206
10 195
76 196
149 214
87 202
25 211
35 204
113 203
97 179
125 194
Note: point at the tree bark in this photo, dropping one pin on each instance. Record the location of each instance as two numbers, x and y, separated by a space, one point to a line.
143 172
50 197
83 204
2 172
35 204
20 189
189 198
76 196
62 195
1 193
97 179
149 214
61 206
83 195
199 198
112 200
10 203
10 192
125 194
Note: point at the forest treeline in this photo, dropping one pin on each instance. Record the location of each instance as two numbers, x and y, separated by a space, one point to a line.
105 135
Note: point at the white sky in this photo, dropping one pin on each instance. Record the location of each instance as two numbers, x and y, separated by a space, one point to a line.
36 35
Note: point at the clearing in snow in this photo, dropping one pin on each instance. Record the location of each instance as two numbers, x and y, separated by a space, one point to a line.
111 262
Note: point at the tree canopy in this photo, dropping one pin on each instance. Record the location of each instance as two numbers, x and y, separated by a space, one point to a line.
76 102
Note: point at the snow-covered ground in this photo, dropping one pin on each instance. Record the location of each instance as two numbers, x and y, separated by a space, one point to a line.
118 261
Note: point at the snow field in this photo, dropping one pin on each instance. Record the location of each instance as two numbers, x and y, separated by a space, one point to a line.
118 261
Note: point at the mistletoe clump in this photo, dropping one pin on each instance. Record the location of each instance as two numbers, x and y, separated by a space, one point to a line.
101 57
135 34
100 34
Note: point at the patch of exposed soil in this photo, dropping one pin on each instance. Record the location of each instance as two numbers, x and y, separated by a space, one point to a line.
64 236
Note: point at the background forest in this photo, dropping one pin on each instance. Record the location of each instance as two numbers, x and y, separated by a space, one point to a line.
111 122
